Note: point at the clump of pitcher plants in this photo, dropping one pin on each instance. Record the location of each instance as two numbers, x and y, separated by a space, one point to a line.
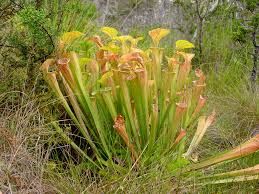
135 107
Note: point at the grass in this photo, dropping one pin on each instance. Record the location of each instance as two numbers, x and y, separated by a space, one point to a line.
229 91
22 151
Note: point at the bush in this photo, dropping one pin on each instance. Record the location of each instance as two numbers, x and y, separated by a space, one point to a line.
30 34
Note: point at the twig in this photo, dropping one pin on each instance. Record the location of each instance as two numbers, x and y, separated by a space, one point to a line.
8 46
50 37
20 6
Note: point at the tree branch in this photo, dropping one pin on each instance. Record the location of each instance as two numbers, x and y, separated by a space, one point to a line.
50 37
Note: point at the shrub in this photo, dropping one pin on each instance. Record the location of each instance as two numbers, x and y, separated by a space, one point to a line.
29 34
136 108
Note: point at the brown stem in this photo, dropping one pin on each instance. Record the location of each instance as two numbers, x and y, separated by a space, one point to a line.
200 37
255 61
200 29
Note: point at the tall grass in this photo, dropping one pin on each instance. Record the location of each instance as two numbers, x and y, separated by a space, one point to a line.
22 153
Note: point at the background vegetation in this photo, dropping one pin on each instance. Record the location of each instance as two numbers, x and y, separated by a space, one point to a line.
225 34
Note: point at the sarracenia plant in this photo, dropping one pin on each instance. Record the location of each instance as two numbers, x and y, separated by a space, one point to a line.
135 107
